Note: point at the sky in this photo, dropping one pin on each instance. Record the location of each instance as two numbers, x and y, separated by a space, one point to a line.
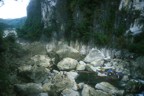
13 9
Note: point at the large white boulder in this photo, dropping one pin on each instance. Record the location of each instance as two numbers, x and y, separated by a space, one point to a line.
97 63
66 51
67 64
91 68
42 60
72 76
69 92
61 82
81 66
89 91
93 55
107 87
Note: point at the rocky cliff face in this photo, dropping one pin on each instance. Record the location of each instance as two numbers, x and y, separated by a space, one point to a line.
79 19
115 23
136 8
55 16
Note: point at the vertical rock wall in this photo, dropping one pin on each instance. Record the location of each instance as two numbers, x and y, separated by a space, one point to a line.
114 23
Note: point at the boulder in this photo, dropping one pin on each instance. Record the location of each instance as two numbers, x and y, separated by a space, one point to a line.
107 87
25 68
47 87
82 62
80 85
91 68
100 93
69 92
39 74
61 82
80 67
120 66
66 51
67 64
108 64
93 55
72 75
29 88
97 62
42 60
33 73
89 91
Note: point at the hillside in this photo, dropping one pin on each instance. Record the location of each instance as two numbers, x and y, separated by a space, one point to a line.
14 23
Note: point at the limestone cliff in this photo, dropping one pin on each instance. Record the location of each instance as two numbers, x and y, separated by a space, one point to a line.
80 19
114 23
136 8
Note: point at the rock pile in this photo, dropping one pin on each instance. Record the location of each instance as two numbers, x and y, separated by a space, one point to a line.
64 72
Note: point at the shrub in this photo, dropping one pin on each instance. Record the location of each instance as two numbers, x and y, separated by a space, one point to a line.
8 63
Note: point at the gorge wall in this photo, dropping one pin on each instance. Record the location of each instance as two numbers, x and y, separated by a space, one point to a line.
114 23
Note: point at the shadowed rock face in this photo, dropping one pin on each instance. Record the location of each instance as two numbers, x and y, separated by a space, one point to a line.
68 19
136 8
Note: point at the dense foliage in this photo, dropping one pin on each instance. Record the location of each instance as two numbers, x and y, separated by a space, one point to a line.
9 51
